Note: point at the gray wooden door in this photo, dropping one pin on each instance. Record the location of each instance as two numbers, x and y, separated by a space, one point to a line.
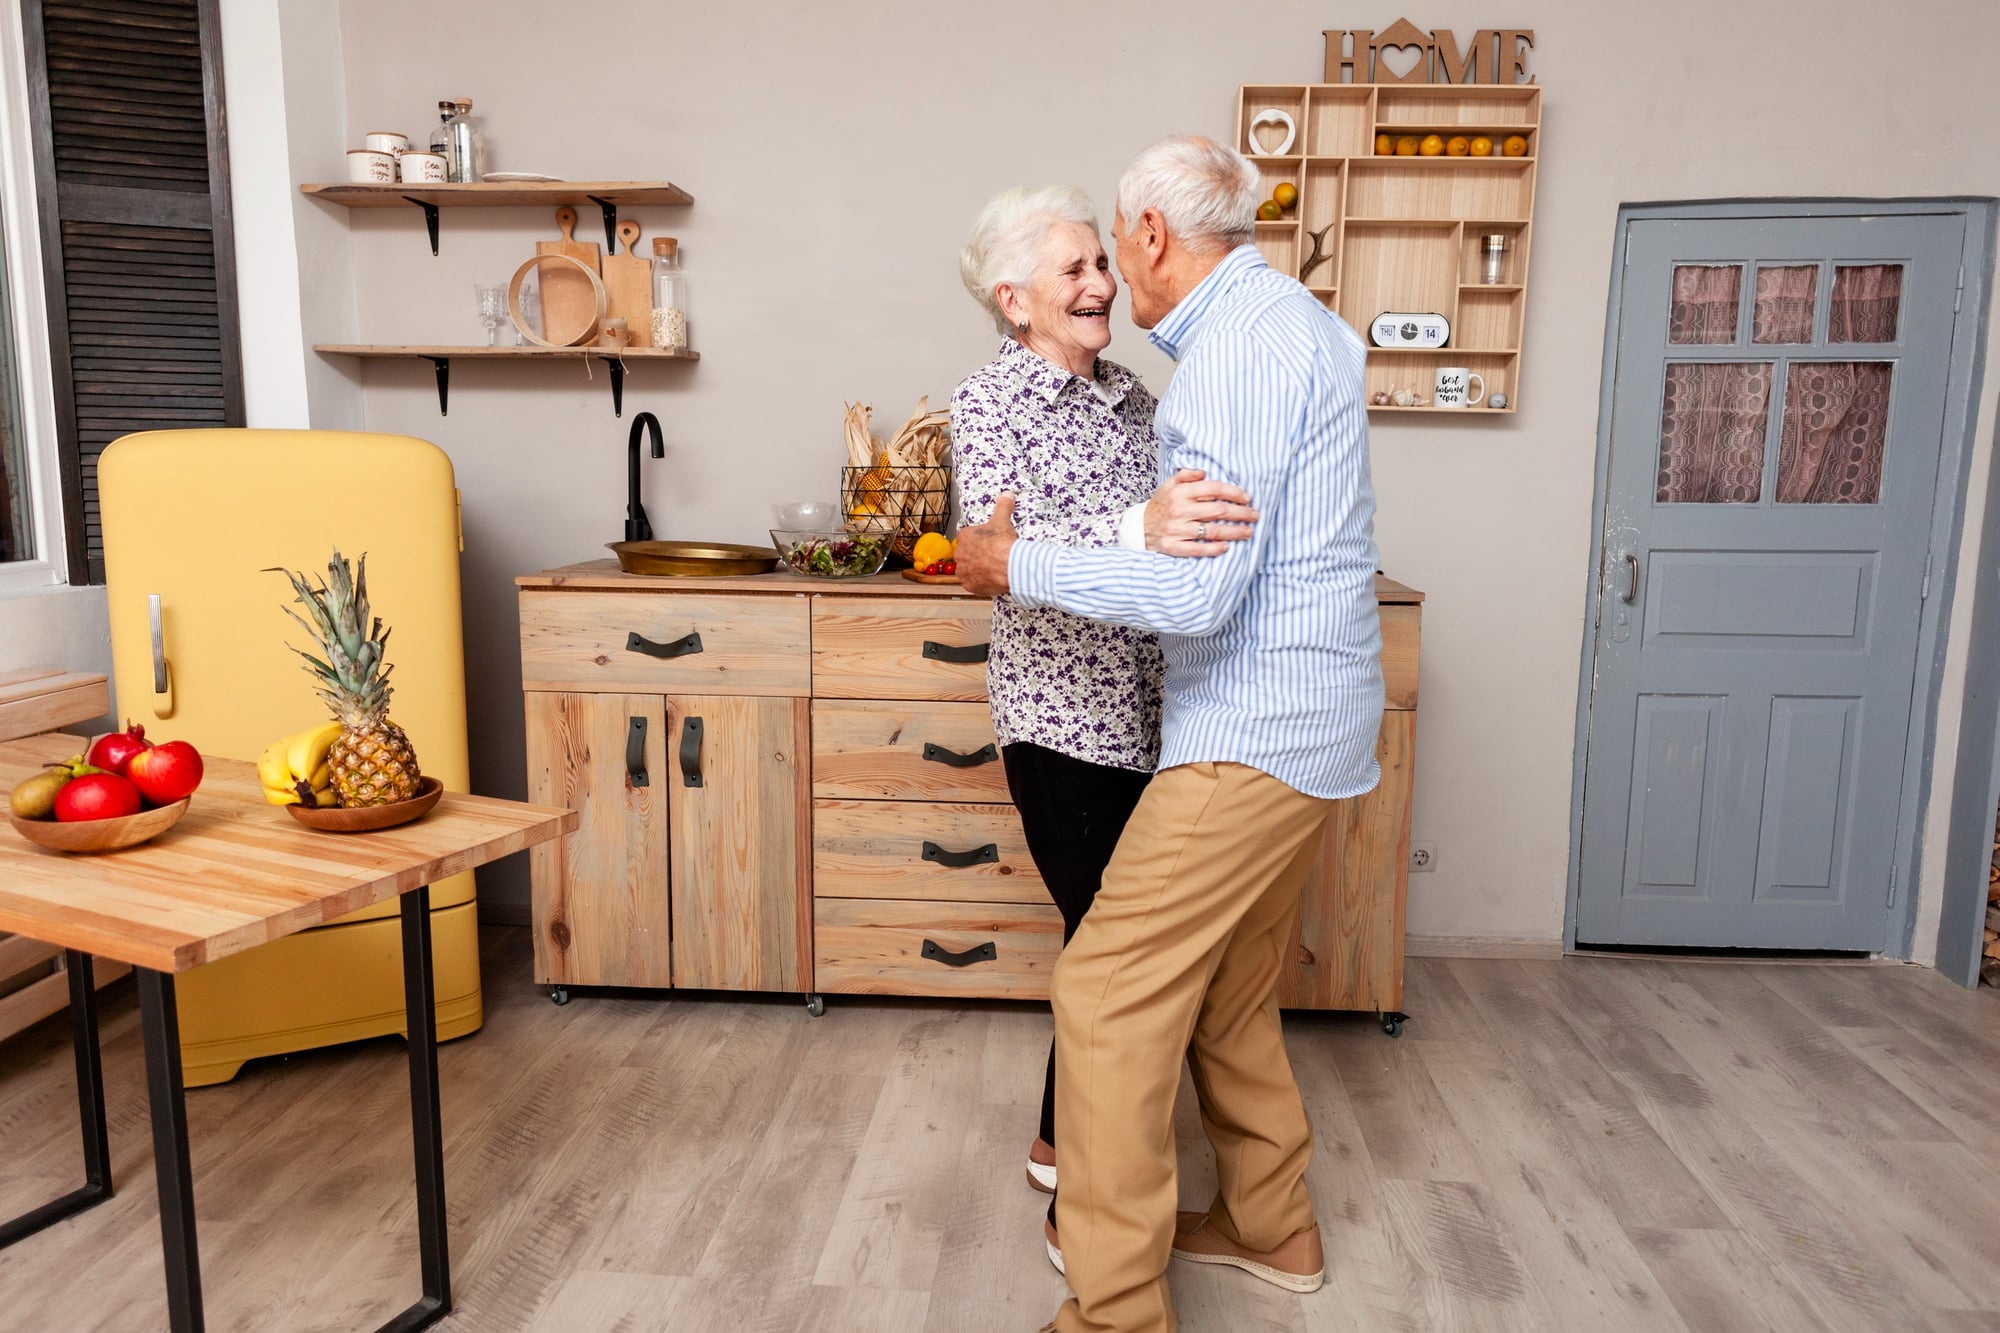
1776 426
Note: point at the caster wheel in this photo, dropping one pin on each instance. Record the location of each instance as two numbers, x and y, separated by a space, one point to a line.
815 1005
559 995
1392 1024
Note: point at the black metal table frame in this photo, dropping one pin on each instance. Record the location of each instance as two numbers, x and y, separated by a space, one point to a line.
160 1023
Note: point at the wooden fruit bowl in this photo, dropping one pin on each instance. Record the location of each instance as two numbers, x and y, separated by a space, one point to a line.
101 835
367 819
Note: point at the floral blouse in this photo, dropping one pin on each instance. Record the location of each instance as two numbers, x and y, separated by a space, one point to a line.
1075 456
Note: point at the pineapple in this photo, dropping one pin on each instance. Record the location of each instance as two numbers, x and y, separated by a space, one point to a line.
372 760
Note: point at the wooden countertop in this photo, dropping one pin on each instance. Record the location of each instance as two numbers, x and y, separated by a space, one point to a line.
605 576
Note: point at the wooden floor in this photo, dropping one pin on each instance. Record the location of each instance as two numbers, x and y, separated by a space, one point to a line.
1586 1144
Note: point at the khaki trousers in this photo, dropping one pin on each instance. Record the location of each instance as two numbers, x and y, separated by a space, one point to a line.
1180 956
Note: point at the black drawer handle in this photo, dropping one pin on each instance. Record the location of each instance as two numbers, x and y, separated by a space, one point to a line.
959 860
937 754
635 752
978 953
951 652
681 647
691 751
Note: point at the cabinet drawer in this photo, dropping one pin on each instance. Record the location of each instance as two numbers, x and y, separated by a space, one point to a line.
906 752
1401 627
634 642
901 648
999 950
920 849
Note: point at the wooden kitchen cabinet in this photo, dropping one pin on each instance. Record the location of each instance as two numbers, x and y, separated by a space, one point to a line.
852 831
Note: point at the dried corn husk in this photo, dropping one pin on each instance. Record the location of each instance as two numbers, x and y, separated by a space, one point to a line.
902 487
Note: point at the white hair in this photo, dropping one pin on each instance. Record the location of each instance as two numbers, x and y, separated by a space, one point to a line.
1207 194
1007 240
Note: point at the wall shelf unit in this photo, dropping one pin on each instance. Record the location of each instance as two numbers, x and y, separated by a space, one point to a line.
609 196
441 358
1401 233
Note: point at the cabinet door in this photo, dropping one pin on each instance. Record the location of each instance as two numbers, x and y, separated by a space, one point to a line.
1347 951
740 808
601 910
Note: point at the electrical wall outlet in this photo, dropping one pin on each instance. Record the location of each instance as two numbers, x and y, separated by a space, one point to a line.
1423 857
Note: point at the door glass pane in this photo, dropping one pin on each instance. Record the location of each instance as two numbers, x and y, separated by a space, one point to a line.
1867 298
1785 295
1836 420
1712 419
1706 297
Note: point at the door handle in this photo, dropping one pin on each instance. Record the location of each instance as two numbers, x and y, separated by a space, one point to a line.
959 860
937 754
681 647
951 652
691 751
159 644
635 752
1628 589
978 953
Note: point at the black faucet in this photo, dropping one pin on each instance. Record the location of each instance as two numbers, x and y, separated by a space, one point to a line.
637 529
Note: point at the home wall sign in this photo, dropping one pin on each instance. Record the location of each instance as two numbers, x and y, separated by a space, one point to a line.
1405 53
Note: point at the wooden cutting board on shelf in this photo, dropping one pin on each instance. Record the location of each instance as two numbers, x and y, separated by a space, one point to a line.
569 305
628 285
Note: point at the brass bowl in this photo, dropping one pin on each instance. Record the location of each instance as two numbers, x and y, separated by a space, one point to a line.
693 560
368 818
101 835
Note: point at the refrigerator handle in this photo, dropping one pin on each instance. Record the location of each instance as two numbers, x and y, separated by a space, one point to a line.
159 644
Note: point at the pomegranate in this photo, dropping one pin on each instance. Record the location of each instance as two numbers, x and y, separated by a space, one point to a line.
165 773
96 796
112 752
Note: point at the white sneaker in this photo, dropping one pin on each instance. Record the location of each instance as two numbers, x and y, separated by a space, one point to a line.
1042 1175
1055 1249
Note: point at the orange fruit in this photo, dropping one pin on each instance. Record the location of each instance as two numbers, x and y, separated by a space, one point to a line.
1481 146
1285 195
1407 146
1268 211
1432 146
1384 145
1456 146
1514 146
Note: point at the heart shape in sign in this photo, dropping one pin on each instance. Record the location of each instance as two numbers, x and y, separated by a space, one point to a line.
1270 115
1387 58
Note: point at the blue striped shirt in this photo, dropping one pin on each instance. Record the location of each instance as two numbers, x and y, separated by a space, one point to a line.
1274 650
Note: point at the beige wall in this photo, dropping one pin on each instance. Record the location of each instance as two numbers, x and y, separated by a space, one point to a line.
838 153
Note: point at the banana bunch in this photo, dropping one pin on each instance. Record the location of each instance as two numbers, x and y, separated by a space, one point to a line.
295 771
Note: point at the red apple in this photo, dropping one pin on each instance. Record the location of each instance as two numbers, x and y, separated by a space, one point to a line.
165 773
96 796
114 751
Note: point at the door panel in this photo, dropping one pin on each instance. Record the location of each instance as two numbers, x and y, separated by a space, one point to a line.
742 887
1768 506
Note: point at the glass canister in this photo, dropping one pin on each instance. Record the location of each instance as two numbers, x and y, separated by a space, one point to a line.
459 139
1493 258
441 136
670 321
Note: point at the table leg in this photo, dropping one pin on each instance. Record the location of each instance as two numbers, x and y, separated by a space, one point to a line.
89 1107
426 1124
160 1021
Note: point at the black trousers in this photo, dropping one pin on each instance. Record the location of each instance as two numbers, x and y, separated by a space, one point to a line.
1073 812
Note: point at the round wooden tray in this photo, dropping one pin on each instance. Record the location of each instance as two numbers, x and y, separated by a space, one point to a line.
101 835
367 819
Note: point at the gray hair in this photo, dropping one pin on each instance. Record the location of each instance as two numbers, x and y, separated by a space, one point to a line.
1207 194
1007 239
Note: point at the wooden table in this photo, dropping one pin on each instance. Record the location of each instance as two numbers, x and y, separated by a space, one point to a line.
233 874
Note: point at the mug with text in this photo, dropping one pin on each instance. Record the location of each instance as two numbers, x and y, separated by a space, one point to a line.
419 167
1453 384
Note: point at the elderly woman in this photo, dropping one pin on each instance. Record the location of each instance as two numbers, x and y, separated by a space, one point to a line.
1069 433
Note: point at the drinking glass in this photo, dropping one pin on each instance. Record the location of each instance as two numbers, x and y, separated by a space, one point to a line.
492 308
531 312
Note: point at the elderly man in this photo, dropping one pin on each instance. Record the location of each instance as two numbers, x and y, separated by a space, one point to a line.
1273 703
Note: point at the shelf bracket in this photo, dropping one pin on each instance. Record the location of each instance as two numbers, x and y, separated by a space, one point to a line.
616 364
443 366
430 221
610 211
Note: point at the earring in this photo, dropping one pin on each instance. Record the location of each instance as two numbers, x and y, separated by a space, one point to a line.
1022 328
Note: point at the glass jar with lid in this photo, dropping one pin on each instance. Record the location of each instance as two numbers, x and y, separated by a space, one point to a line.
670 321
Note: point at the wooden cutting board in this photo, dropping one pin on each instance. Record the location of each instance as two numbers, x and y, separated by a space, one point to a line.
569 305
628 285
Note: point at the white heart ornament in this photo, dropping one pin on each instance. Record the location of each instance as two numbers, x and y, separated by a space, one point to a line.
1272 116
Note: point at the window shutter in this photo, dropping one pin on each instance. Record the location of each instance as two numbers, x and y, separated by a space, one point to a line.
132 178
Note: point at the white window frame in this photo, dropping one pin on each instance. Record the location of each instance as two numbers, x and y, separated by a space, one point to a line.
27 310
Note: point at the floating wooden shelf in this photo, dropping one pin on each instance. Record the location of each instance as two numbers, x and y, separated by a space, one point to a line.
609 196
1403 232
441 357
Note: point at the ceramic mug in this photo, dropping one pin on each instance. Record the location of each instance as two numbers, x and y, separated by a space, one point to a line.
422 168
368 166
1453 384
387 141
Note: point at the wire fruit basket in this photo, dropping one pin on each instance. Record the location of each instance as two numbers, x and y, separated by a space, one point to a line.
899 503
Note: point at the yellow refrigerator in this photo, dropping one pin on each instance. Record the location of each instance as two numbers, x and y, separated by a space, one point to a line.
192 520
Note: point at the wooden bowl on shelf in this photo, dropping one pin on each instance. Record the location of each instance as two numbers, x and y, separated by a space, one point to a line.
101 835
368 818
